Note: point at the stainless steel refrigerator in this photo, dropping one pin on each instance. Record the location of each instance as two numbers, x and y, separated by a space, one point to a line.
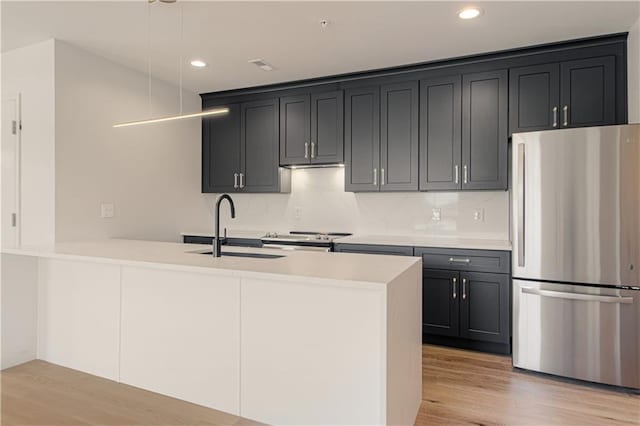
576 253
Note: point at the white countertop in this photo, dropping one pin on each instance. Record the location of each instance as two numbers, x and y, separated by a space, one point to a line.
332 266
426 241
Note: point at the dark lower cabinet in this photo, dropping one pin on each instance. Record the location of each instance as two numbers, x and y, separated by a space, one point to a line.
484 306
463 307
485 140
588 92
440 133
440 305
373 249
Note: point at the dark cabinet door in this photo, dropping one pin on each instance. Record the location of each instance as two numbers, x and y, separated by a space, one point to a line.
259 148
295 130
484 306
534 98
327 128
373 249
588 92
221 151
399 137
484 130
362 139
440 133
440 294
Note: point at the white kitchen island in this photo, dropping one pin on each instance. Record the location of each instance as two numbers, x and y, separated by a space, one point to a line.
309 338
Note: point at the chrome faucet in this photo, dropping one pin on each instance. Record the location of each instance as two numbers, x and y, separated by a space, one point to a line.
216 239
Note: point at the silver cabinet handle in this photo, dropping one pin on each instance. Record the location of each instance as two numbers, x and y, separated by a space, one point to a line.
577 296
466 174
382 177
520 188
241 180
555 116
565 111
313 150
453 285
375 177
457 173
459 260
235 181
306 150
464 288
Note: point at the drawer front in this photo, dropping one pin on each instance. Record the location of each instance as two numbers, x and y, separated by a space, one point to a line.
465 260
374 249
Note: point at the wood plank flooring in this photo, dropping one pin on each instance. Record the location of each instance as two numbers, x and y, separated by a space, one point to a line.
459 387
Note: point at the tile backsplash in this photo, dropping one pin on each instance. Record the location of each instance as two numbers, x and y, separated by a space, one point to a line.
318 202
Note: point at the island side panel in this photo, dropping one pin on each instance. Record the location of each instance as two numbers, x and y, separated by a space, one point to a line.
181 335
19 309
313 353
79 315
404 346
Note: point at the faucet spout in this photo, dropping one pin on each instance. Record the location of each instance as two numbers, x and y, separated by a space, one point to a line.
217 244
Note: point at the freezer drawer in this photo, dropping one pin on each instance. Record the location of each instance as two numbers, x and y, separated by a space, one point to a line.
587 333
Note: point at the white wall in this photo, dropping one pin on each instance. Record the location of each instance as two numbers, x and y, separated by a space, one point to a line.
30 72
150 173
633 72
318 195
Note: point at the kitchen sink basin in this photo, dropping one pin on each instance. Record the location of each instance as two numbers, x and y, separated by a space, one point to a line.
253 255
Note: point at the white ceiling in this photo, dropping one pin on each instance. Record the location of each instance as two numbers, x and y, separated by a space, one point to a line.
361 35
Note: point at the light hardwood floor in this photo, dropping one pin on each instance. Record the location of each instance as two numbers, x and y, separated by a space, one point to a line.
459 387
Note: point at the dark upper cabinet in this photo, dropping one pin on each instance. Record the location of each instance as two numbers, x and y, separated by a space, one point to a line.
534 98
484 130
259 148
484 306
312 129
440 293
327 128
362 139
295 129
221 151
381 138
576 93
440 133
399 137
588 88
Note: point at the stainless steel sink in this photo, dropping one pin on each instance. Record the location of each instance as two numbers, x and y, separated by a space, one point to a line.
253 255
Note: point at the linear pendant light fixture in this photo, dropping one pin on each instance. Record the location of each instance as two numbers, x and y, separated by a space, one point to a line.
181 116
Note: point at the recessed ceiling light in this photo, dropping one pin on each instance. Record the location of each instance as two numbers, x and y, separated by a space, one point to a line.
469 13
198 63
261 64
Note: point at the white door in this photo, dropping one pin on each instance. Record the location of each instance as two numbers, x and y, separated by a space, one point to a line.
10 157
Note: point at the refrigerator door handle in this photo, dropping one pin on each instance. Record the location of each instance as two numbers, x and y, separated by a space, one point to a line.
577 296
520 213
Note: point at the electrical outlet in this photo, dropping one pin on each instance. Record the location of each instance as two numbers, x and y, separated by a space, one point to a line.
297 213
478 215
106 210
436 214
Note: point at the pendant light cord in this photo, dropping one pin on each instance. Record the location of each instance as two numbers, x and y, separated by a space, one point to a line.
180 49
149 54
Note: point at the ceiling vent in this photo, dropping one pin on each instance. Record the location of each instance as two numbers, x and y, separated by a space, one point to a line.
261 64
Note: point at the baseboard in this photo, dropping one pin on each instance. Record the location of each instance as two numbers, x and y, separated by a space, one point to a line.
474 345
